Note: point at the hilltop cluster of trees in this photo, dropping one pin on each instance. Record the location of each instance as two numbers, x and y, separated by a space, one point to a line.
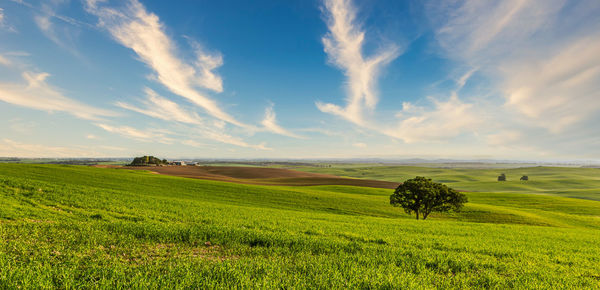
502 177
147 160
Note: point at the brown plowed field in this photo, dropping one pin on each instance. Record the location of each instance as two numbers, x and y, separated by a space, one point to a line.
261 175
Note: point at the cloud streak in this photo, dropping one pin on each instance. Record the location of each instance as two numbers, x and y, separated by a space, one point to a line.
161 108
142 31
39 95
270 124
445 120
132 133
12 148
343 45
49 29
164 109
547 77
549 71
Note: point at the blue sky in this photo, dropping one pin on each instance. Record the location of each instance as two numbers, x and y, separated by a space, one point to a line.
517 79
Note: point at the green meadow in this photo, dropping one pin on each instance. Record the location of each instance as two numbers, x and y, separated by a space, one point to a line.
561 181
67 226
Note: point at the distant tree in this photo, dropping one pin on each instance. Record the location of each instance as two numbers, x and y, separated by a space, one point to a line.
524 178
423 196
502 177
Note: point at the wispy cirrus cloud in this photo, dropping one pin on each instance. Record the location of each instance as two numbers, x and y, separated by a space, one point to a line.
136 28
445 120
161 108
344 47
60 35
547 75
219 136
548 72
270 124
343 44
3 24
171 136
63 32
36 93
150 135
4 61
12 148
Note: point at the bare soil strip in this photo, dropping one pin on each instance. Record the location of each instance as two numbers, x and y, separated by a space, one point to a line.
261 176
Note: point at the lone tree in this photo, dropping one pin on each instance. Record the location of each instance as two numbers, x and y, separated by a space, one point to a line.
524 178
502 177
423 196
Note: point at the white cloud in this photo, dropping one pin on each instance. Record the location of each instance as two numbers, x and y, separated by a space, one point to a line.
558 92
11 148
142 31
4 61
542 55
3 25
205 64
37 94
343 44
462 81
270 124
228 139
152 135
360 145
440 123
477 30
63 33
43 23
91 137
164 109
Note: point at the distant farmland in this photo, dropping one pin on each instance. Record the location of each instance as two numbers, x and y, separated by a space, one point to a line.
262 176
67 226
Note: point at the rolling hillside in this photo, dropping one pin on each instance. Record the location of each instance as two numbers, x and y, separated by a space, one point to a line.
75 226
563 181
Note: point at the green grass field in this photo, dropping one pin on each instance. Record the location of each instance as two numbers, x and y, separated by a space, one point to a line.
83 227
561 181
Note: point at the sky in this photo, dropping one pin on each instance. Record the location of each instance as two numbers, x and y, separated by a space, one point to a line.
513 79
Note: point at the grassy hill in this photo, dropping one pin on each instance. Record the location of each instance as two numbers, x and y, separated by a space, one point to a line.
563 181
75 226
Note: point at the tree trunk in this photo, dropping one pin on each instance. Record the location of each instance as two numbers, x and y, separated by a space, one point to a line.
417 214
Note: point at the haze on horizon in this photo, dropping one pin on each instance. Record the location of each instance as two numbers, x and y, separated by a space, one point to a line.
515 79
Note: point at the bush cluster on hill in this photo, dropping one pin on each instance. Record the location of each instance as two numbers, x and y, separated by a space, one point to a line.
147 160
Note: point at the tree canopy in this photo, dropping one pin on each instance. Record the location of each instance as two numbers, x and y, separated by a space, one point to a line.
147 160
423 196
